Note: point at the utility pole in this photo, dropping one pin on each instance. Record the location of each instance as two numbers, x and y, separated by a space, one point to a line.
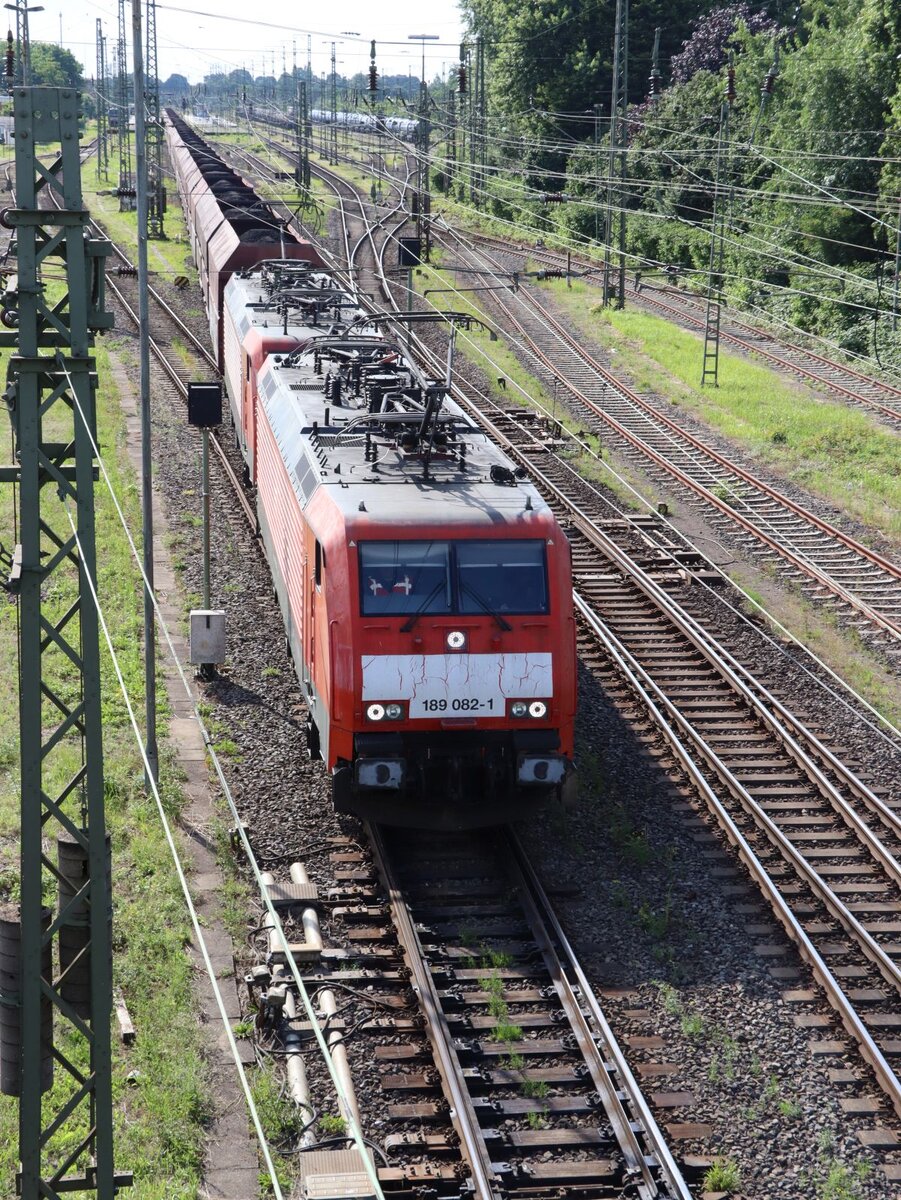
481 116
55 962
102 105
655 79
423 183
450 155
597 109
141 164
23 39
333 127
721 202
126 179
897 270
423 149
616 173
156 187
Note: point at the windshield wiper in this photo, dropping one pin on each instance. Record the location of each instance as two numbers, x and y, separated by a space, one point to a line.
414 617
486 607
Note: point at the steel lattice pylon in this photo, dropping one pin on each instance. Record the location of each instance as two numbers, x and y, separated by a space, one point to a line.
102 105
63 1003
156 187
126 178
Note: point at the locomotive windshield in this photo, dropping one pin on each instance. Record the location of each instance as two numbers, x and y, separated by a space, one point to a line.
403 578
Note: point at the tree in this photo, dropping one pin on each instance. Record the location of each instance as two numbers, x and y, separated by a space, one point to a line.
51 66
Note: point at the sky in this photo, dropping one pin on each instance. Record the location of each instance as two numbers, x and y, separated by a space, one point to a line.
197 37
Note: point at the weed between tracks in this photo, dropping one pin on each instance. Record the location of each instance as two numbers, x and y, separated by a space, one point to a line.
831 1179
837 452
736 1072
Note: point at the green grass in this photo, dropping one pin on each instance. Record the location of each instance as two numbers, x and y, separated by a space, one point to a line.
723 1176
161 1111
170 256
331 1125
834 451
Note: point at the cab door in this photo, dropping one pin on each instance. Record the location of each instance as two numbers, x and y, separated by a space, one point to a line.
248 415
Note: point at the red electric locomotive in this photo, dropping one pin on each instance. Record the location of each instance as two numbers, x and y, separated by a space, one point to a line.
425 587
426 590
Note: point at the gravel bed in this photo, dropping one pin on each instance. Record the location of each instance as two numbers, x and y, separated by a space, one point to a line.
651 916
647 908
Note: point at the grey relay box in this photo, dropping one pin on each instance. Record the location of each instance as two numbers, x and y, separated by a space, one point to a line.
207 635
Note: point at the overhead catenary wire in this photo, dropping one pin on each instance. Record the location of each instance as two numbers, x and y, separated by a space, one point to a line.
179 869
843 685
833 675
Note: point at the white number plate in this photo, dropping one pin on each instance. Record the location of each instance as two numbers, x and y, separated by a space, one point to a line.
457 685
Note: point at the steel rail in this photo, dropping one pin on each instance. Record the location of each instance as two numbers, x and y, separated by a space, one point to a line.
167 366
655 702
539 907
534 900
824 526
851 1020
801 564
650 295
486 1184
652 298
182 388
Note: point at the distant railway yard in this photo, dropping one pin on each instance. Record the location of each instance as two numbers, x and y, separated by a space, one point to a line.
651 945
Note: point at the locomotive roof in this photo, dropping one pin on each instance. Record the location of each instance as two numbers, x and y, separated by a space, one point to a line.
324 444
290 297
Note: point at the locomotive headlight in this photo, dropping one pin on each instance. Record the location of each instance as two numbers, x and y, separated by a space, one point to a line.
518 708
394 712
375 712
537 709
456 640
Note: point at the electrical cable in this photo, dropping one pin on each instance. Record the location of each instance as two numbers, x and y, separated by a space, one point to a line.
227 793
756 604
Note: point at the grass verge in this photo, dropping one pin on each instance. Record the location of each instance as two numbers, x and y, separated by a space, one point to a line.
160 1092
837 453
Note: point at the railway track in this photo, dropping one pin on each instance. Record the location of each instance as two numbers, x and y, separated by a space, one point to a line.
832 567
541 1096
823 847
831 564
180 365
467 916
879 397
769 782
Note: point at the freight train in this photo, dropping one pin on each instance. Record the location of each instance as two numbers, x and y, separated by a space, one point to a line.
425 586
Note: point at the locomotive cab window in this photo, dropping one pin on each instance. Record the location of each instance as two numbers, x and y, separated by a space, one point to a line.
466 577
319 564
400 578
502 577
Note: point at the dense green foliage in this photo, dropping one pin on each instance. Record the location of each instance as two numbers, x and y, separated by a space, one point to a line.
52 66
809 181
